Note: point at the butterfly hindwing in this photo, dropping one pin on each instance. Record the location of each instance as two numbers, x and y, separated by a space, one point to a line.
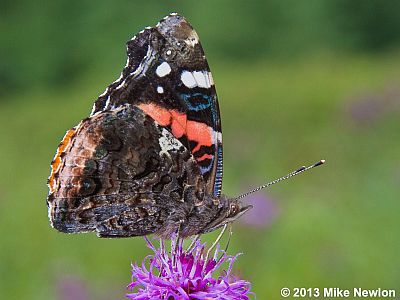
168 77
120 174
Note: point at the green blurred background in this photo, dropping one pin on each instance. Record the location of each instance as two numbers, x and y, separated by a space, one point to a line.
297 81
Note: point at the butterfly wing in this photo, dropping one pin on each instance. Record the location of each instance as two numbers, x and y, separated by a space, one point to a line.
120 174
168 77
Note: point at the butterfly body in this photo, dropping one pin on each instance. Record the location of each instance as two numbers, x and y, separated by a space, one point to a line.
148 160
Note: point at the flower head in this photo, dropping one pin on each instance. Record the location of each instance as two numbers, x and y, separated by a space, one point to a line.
186 274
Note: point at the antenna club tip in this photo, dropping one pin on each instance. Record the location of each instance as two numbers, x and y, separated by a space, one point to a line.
321 162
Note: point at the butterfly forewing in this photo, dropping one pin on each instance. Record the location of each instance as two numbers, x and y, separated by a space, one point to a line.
168 77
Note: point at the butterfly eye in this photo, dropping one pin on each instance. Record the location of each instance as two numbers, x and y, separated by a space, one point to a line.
234 209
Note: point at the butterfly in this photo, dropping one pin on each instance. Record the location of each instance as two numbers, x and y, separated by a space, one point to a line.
148 159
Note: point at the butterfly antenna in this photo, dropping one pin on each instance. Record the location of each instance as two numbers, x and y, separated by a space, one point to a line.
291 174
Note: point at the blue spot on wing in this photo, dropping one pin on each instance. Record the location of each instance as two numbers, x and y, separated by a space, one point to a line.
208 168
197 107
201 106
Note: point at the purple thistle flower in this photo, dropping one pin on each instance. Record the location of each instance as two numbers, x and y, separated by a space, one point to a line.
186 274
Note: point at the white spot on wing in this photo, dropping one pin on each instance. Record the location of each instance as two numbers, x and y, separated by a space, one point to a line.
219 137
201 79
168 142
160 90
210 78
163 69
193 39
188 79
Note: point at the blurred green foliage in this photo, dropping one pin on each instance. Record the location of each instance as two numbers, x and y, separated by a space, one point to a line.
53 43
297 81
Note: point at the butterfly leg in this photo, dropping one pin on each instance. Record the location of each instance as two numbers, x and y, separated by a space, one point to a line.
193 243
216 242
229 240
176 242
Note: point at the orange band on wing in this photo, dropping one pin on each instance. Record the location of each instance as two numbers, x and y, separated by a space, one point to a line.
55 164
158 113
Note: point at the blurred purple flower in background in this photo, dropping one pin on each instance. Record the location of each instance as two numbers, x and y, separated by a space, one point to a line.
371 107
262 214
186 274
366 109
72 288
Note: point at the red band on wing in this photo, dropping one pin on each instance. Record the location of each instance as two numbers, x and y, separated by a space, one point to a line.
194 131
199 132
205 156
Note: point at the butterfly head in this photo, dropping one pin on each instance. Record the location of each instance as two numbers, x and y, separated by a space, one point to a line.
228 210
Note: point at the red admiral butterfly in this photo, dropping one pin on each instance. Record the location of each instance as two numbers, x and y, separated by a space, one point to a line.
149 157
